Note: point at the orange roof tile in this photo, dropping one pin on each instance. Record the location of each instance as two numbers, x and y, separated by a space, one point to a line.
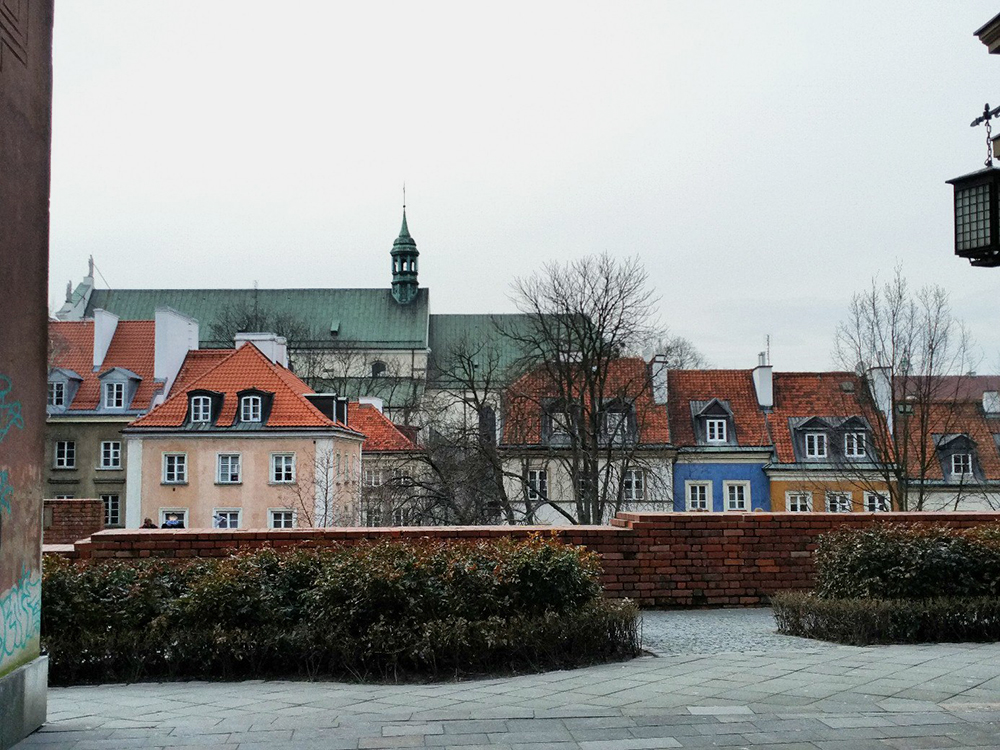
197 363
381 435
733 386
963 417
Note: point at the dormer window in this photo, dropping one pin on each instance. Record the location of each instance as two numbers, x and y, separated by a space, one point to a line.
57 394
114 395
715 430
616 422
201 409
378 369
815 445
961 464
251 409
854 445
558 424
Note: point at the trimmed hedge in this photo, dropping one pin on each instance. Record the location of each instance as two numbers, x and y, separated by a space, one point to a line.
384 610
861 622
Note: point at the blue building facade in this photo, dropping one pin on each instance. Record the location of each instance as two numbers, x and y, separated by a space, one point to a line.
721 482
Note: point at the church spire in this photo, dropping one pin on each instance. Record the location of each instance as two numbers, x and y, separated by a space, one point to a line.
404 264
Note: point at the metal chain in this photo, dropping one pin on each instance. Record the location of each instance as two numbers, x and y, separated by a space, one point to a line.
989 141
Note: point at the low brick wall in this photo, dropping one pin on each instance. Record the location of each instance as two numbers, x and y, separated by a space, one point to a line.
66 521
658 559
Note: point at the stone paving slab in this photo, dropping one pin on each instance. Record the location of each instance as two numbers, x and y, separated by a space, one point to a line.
767 691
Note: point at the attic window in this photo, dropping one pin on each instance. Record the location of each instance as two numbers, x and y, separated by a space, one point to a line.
250 409
715 430
854 445
815 445
201 409
961 464
114 395
57 394
378 369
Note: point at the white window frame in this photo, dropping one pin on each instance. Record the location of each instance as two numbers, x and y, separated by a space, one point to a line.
706 490
816 445
855 445
56 394
538 484
839 501
111 454
373 477
251 408
715 430
201 409
286 473
64 454
614 424
966 458
634 486
216 520
112 502
799 498
182 512
64 497
876 502
179 469
728 490
114 395
229 459
272 512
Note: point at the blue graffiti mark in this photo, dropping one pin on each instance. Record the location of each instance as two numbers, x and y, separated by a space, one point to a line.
6 491
20 614
10 413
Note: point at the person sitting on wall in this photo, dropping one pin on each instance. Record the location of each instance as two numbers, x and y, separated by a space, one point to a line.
147 523
172 522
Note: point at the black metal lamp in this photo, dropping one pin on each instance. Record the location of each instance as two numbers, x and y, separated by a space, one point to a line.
977 219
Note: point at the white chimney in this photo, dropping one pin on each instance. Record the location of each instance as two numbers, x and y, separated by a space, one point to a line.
659 372
105 325
763 382
880 383
374 401
271 345
175 334
991 402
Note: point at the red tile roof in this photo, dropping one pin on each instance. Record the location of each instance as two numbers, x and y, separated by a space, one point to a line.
963 417
240 370
381 435
71 346
627 378
733 386
196 364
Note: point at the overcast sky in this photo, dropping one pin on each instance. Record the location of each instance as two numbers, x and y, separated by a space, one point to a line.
763 159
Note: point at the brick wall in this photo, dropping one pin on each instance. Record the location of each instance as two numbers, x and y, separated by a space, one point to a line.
66 521
658 559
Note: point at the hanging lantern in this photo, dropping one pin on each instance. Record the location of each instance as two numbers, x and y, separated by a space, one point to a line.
977 219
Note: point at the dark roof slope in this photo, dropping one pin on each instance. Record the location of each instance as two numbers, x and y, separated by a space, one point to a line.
735 387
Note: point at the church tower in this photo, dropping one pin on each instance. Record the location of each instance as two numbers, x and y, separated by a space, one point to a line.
404 265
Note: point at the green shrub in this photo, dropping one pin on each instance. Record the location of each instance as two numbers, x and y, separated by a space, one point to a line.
862 621
900 561
373 610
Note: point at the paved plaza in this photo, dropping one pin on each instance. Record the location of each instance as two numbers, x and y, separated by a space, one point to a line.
718 678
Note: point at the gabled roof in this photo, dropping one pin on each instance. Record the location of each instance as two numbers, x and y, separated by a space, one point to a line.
365 317
701 387
627 377
240 370
948 424
132 348
197 363
381 435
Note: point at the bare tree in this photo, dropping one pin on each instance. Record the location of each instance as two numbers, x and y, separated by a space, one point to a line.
911 353
678 353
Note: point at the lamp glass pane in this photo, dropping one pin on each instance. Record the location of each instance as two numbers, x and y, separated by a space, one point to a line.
972 217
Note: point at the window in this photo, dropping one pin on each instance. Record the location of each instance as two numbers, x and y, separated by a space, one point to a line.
114 395
538 484
250 409
838 502
876 503
583 484
614 424
173 518
226 518
174 468
798 502
229 468
57 394
65 455
111 454
854 445
378 369
201 409
281 519
633 485
961 464
64 497
372 477
699 496
737 495
282 468
715 430
815 445
112 510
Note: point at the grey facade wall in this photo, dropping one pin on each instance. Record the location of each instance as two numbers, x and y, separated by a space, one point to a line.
87 479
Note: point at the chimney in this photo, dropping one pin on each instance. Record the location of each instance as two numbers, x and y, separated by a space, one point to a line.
991 402
374 401
174 336
880 383
325 402
105 325
763 382
271 345
659 372
341 410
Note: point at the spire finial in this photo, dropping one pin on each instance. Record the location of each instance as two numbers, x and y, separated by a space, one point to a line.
404 196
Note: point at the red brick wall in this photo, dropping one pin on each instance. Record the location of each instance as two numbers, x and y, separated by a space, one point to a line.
658 559
66 521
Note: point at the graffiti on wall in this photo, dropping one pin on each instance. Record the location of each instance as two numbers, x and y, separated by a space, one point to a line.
20 613
10 412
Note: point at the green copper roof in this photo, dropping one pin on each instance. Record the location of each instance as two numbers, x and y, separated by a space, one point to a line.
479 335
334 318
405 240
